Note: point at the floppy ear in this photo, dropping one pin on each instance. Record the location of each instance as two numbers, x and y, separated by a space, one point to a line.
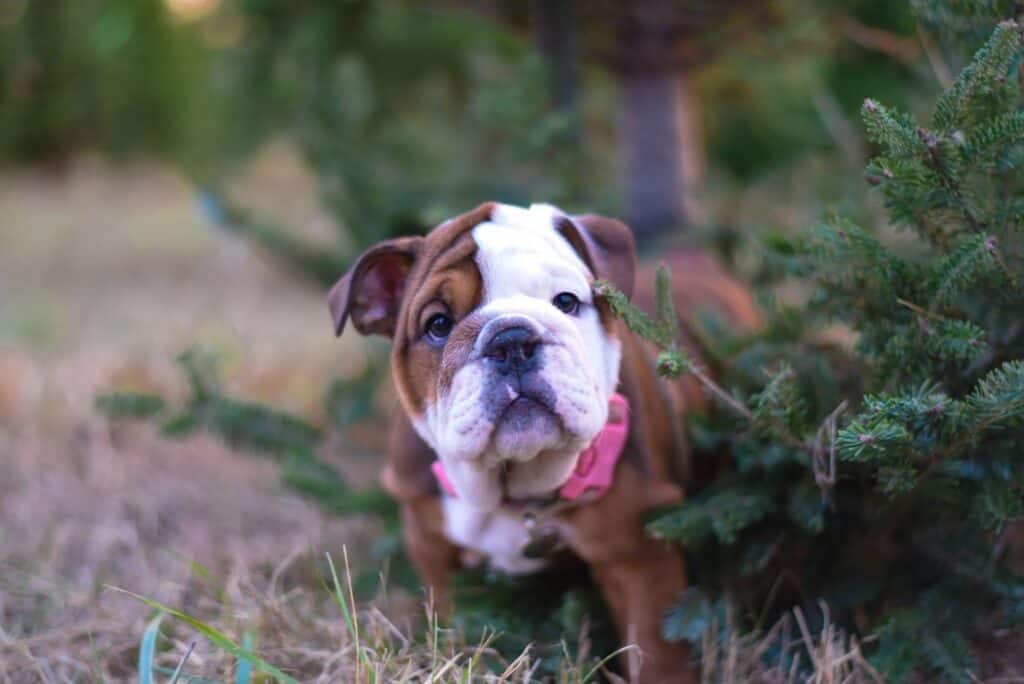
371 292
605 244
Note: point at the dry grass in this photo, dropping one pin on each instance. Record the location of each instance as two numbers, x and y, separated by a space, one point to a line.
828 657
89 506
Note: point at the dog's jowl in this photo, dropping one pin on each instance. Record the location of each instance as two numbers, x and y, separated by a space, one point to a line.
534 424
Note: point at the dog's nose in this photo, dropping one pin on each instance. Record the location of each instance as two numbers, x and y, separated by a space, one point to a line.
513 350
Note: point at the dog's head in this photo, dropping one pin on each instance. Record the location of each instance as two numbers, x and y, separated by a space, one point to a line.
502 355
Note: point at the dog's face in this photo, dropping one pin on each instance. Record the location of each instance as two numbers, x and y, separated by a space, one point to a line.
503 357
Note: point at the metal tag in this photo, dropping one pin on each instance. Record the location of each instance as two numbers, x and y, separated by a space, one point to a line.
544 538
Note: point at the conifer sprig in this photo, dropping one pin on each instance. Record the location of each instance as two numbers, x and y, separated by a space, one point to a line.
774 411
984 75
663 331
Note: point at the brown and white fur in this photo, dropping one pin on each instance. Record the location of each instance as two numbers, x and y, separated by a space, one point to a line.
509 397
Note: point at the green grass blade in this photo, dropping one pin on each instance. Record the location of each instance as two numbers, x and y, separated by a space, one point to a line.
147 649
218 638
97 668
348 608
339 598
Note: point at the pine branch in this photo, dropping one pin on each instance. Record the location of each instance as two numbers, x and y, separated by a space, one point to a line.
894 130
938 160
998 398
1001 501
130 404
989 139
778 406
959 342
323 266
910 197
664 303
721 514
986 72
872 442
638 322
672 361
288 439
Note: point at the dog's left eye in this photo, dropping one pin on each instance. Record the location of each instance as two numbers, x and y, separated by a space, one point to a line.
439 327
566 302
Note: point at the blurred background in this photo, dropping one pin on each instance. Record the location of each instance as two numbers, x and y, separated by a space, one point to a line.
180 174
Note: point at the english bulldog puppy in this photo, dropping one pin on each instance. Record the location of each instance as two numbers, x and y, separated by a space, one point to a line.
534 423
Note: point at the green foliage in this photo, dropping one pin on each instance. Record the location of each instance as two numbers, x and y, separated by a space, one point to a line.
910 636
293 443
114 75
129 404
661 330
693 617
985 75
395 108
878 472
723 513
964 22
895 130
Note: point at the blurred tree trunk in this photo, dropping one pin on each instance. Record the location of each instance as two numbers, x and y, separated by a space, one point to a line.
660 117
662 151
655 47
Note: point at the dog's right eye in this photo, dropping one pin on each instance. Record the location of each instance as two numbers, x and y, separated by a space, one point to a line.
439 327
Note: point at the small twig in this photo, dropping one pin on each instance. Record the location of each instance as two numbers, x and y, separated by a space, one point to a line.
990 355
181 663
838 126
920 310
713 387
866 665
807 638
825 471
935 59
893 45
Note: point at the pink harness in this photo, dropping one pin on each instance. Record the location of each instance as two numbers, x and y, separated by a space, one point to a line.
595 470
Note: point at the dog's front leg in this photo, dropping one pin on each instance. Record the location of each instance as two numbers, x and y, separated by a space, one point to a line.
638 589
434 556
407 477
639 577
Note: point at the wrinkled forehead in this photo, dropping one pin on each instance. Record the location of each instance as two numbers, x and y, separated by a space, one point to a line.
519 251
495 251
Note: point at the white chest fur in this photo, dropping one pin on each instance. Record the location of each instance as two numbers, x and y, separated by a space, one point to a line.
499 535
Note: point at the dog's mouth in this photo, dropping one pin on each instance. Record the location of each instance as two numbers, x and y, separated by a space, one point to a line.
524 408
526 426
